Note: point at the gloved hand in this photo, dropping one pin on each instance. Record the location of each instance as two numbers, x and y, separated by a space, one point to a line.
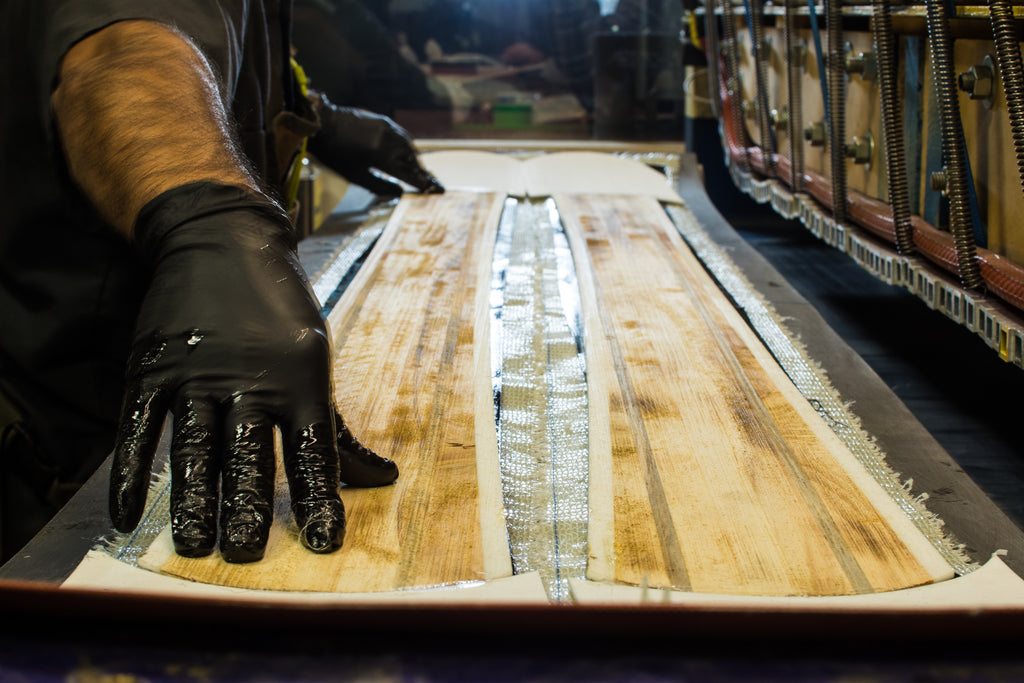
352 142
232 341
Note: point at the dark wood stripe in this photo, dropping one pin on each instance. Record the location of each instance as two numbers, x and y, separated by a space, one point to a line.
851 568
671 549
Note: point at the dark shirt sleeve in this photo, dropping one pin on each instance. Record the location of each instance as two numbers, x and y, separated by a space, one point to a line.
217 27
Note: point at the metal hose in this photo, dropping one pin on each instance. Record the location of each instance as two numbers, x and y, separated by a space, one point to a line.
793 127
1011 72
892 126
953 148
837 107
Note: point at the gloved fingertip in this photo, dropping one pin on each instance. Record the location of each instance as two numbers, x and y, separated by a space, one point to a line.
358 465
244 541
194 550
194 540
433 187
125 509
123 522
321 524
138 433
367 471
242 554
322 536
243 545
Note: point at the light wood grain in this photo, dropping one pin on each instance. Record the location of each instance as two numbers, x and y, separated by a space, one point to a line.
722 481
412 380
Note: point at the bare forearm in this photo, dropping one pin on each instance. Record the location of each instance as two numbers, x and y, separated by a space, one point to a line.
139 112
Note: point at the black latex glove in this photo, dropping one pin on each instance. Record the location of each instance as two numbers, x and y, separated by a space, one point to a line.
353 142
231 340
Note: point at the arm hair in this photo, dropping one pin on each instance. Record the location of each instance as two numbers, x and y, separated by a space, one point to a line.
139 112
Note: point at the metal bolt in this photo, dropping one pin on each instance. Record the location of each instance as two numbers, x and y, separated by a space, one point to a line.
977 82
939 181
779 117
815 134
864 63
860 149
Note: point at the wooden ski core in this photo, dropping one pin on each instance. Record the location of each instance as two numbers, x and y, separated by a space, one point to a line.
412 380
708 474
